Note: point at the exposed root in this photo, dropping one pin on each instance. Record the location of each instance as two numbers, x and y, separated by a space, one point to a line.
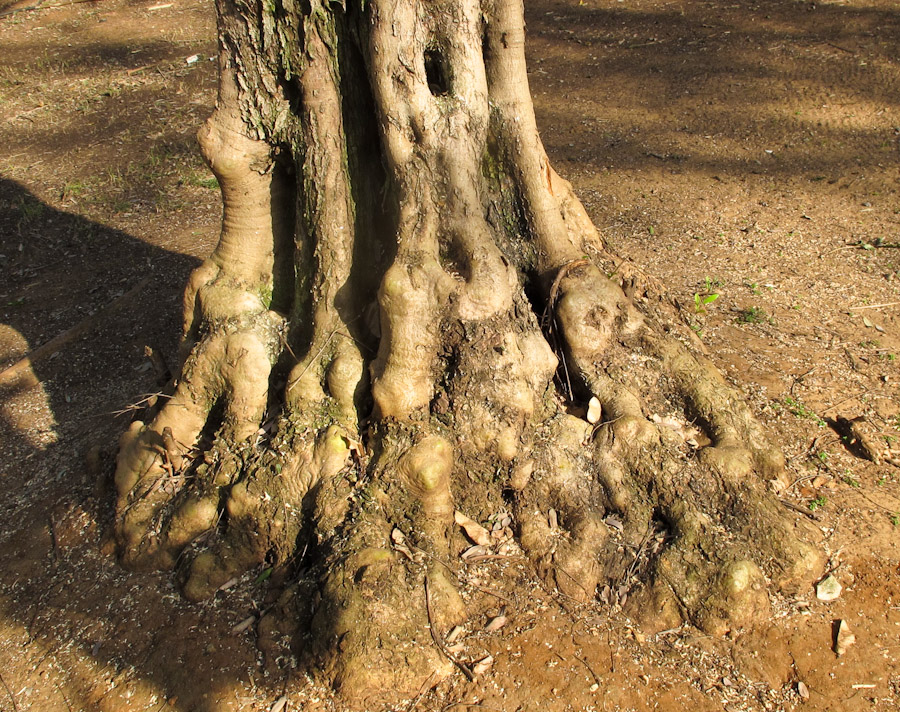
401 283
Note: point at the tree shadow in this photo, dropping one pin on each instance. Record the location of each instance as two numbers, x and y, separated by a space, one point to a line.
69 605
708 84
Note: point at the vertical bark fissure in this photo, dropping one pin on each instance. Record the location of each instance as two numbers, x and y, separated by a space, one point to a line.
327 232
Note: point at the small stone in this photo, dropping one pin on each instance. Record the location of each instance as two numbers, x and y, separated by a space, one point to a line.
594 411
844 638
828 589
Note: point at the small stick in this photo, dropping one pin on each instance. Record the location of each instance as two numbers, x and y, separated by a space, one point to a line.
798 508
876 306
589 669
422 690
65 699
492 593
844 400
9 692
41 6
842 49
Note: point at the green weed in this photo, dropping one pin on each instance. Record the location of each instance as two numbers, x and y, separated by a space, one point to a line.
753 315
799 409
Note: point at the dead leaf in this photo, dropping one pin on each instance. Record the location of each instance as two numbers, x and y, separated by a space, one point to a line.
803 690
496 624
399 544
473 551
279 704
483 665
473 529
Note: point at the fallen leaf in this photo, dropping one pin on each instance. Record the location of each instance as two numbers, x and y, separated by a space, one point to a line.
496 624
476 550
483 665
473 529
279 705
803 690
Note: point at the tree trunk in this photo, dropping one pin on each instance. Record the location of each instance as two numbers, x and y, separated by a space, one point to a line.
404 318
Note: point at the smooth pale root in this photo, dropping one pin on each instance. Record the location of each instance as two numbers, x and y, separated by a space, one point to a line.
742 586
410 303
426 468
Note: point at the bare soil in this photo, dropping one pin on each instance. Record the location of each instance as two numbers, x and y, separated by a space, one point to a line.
744 153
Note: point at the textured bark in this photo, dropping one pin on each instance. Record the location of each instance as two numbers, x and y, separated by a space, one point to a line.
406 310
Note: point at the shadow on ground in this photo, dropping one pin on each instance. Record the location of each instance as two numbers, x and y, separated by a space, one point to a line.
712 84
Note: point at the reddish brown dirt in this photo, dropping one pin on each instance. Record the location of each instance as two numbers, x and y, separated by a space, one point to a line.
742 149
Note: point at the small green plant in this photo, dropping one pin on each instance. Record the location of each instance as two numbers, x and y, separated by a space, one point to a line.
754 288
801 410
265 295
753 315
701 302
895 519
29 210
201 182
822 456
849 479
72 189
817 503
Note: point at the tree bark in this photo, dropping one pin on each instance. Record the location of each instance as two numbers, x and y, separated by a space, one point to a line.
405 315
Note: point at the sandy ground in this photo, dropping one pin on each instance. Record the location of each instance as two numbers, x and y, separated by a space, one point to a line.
745 153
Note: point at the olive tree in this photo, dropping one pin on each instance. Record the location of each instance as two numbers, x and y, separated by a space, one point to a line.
405 316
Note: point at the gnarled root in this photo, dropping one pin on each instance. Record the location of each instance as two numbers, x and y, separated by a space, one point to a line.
676 515
402 321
